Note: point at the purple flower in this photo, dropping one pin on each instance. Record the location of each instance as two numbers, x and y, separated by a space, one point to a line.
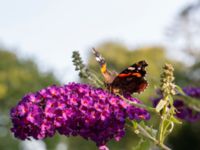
72 110
184 112
192 91
103 147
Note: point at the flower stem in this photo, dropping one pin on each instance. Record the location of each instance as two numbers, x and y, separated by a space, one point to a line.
137 104
147 135
165 106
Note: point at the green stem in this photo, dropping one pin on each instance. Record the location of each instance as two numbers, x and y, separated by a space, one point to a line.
137 104
161 131
149 136
96 78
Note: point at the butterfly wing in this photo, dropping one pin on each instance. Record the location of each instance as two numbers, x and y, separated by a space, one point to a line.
131 80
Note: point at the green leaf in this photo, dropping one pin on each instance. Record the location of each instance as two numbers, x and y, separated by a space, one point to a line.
171 100
142 145
175 120
160 105
135 124
179 89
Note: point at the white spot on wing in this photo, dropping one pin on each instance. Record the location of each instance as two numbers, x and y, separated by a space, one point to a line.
131 68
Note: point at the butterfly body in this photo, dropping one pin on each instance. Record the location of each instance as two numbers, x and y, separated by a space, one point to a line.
130 80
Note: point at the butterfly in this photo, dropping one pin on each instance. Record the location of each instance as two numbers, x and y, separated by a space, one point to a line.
130 80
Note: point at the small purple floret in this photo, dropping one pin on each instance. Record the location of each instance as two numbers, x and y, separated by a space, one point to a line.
72 110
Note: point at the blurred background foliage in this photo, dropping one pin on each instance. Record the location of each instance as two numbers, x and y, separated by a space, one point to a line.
19 76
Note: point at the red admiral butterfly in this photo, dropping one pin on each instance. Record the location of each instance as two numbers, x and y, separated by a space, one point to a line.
131 80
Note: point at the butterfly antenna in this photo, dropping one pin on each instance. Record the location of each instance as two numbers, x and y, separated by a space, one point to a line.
98 57
100 60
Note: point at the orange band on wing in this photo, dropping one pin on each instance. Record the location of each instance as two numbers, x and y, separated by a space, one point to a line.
124 74
129 74
136 74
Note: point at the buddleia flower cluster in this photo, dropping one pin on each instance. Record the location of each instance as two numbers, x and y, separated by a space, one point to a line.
183 111
74 110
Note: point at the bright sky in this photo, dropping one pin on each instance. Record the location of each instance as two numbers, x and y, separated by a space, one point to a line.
49 30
